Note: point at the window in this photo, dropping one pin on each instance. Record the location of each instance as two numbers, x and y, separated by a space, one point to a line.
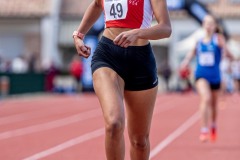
234 1
175 4
208 1
11 46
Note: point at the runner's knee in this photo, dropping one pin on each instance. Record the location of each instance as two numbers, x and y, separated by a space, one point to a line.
140 142
115 127
206 99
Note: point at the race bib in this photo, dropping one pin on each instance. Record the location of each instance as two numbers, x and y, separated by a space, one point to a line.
206 59
115 9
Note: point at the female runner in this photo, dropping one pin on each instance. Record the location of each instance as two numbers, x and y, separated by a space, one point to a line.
208 52
124 69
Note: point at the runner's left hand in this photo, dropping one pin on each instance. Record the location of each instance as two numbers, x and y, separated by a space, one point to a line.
126 38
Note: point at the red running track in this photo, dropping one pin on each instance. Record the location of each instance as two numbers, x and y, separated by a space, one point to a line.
58 127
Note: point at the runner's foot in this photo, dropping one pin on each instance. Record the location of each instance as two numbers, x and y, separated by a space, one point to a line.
213 135
204 137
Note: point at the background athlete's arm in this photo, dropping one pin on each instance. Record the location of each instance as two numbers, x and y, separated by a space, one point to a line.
159 31
223 45
91 15
188 58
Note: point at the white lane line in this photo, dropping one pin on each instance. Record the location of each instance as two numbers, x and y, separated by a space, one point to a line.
67 144
29 115
72 142
75 141
178 132
51 125
35 113
57 123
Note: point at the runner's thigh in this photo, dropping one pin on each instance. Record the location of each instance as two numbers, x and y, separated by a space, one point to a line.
139 106
109 89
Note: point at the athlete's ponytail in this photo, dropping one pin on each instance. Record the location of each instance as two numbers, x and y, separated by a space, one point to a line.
218 29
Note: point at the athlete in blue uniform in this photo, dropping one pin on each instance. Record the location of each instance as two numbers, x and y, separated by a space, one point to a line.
208 56
208 51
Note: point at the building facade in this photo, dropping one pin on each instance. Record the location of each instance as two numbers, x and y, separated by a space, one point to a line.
44 28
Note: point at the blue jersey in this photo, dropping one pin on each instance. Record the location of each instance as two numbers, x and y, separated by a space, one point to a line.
208 60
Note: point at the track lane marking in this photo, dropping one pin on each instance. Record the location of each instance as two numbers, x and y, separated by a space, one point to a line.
51 125
32 114
174 135
28 115
62 122
67 144
90 135
76 141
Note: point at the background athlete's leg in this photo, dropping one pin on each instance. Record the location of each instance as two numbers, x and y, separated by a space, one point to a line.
214 106
214 109
109 89
139 106
204 91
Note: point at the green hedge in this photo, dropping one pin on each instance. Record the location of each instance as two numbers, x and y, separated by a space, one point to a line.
25 83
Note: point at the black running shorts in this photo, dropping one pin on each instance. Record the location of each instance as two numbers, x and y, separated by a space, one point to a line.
136 65
213 86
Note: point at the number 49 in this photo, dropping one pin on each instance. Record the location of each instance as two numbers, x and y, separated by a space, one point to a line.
116 10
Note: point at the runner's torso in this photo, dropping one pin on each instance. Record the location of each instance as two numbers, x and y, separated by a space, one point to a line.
208 60
123 15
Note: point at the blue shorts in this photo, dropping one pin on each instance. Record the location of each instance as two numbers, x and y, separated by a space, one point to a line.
136 65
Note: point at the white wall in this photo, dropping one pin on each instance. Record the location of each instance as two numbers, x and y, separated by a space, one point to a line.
181 28
49 35
13 33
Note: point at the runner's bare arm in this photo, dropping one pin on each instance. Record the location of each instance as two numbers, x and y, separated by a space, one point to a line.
188 58
163 28
159 31
91 15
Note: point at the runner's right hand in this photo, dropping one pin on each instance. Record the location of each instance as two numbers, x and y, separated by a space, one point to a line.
82 49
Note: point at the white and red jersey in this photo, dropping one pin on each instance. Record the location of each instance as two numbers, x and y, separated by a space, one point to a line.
127 13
